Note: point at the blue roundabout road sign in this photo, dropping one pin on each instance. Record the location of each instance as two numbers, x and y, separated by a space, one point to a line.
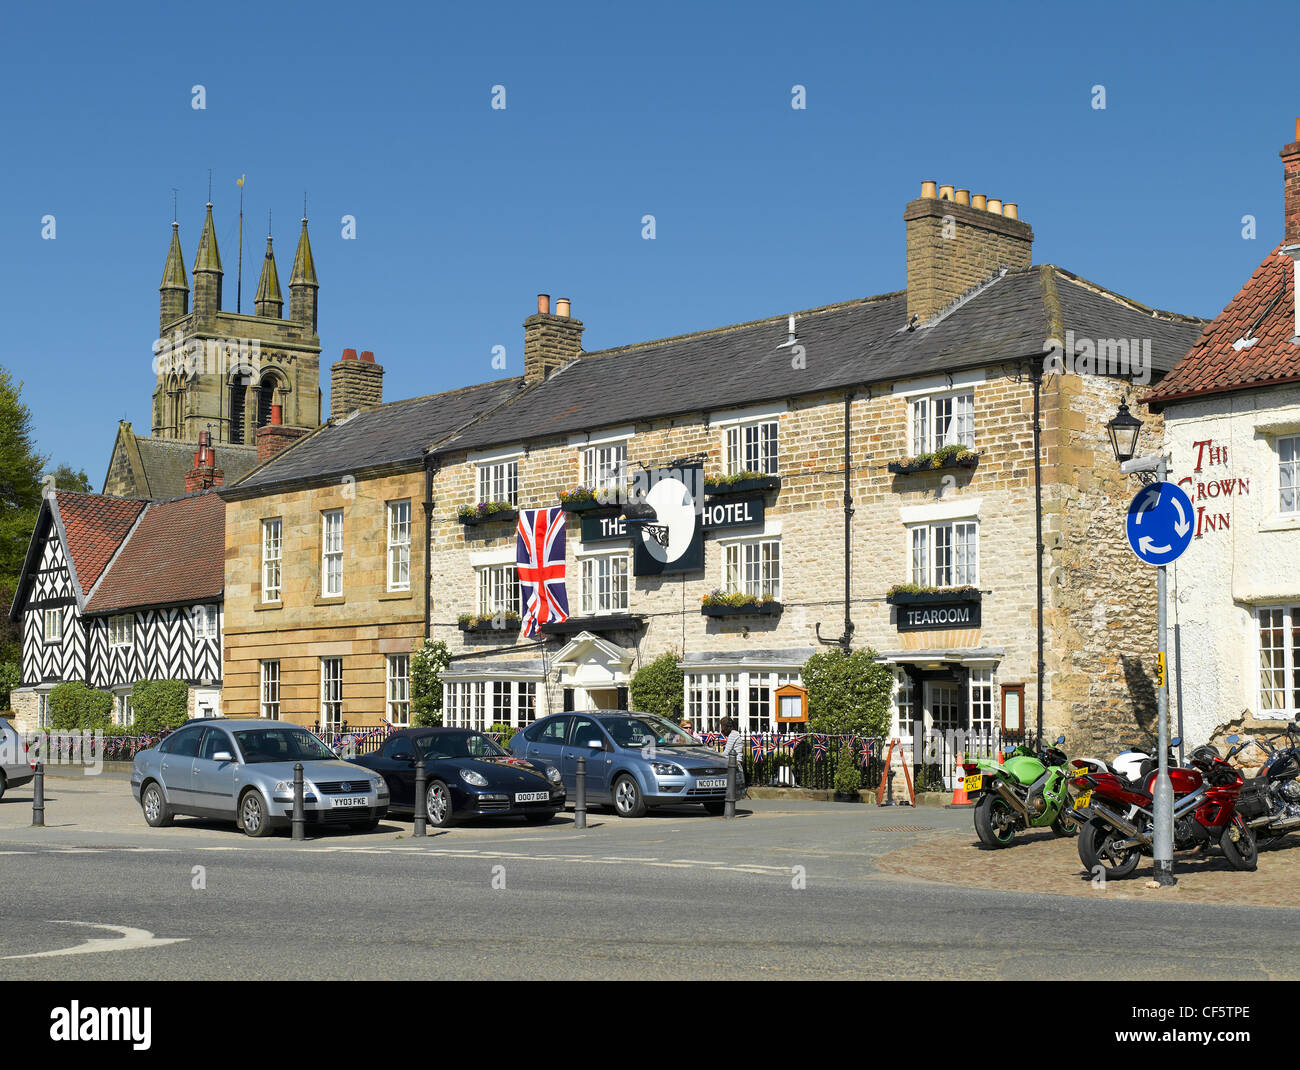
1159 523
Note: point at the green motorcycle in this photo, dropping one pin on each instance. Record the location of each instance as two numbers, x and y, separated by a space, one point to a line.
1029 790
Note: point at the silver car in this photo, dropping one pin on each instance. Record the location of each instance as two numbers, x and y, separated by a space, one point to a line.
242 771
15 771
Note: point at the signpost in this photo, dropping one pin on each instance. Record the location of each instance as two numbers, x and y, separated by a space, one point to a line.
1159 527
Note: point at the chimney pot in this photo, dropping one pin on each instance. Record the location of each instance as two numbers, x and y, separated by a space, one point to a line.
963 196
1291 190
1010 211
929 190
349 354
562 307
544 304
945 193
277 415
367 356
995 206
979 201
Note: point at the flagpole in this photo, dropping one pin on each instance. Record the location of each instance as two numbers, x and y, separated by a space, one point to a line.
239 282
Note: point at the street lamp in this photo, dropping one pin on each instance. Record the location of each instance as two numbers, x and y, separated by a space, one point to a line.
1124 428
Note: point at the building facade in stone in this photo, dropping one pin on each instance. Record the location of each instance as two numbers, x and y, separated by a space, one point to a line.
117 590
1231 411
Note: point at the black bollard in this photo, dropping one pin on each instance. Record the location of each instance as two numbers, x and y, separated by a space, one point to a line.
38 797
299 815
421 815
729 807
580 796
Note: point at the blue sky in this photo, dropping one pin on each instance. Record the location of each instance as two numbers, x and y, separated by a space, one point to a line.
464 213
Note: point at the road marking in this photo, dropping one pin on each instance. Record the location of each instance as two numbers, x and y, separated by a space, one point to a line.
128 939
669 865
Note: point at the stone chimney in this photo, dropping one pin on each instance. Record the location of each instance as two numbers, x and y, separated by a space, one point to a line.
1291 190
355 383
205 473
955 242
550 340
274 437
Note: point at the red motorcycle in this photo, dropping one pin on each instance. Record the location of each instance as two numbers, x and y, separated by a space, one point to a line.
1117 819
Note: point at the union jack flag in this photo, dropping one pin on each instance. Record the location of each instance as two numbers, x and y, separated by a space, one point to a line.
540 555
821 745
756 745
791 744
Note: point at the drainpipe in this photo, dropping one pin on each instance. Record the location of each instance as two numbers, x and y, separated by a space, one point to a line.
1036 377
846 639
429 469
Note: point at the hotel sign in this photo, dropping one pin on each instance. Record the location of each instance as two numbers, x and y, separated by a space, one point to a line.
733 513
604 528
922 616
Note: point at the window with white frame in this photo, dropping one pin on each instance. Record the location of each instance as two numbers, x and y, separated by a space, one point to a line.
499 482
905 700
399 690
331 694
940 420
498 589
465 704
121 631
502 704
482 703
945 554
747 697
752 567
399 545
53 625
42 709
205 622
1288 475
604 583
331 550
982 689
123 714
751 447
271 542
605 467
270 704
526 701
1279 661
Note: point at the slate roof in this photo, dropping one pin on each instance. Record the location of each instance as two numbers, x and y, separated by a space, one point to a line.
167 460
850 344
175 555
1263 309
94 526
393 434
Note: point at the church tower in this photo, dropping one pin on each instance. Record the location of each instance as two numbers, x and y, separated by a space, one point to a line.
228 372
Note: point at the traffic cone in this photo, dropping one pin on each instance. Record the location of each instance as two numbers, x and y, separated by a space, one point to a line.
959 796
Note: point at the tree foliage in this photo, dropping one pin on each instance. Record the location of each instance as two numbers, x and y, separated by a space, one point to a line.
74 705
848 693
159 704
427 666
65 477
657 687
20 500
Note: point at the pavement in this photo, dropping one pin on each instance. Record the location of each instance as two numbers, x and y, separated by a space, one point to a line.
787 890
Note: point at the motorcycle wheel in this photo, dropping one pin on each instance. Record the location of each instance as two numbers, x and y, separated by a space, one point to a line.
1095 850
1066 824
995 823
1242 853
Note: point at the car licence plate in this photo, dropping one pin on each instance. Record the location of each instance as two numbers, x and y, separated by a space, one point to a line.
974 782
349 800
532 796
1082 799
712 782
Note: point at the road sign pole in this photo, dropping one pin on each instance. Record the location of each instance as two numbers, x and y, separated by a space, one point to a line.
1163 847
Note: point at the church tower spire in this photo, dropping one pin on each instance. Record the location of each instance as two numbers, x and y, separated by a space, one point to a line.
175 287
302 283
269 301
207 272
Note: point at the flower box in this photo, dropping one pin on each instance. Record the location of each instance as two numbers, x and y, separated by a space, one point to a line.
946 458
485 626
897 597
725 609
745 484
501 514
584 501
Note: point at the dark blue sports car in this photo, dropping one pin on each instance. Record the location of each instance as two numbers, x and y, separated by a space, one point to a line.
466 775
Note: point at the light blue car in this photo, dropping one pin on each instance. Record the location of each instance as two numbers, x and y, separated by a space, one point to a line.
242 771
635 761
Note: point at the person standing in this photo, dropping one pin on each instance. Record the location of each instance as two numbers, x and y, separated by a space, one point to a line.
732 745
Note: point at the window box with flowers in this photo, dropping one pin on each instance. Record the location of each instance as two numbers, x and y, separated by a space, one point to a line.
487 513
910 594
586 500
719 604
488 623
954 456
741 483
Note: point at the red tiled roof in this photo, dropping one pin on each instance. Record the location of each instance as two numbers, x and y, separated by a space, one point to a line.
175 555
95 525
1213 366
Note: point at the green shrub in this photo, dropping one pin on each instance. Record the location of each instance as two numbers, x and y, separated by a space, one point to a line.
159 704
657 688
848 778
507 733
74 705
427 666
848 694
10 677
